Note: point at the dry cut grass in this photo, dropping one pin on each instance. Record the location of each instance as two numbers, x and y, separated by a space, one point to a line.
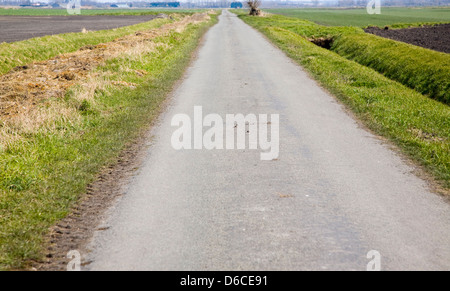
29 94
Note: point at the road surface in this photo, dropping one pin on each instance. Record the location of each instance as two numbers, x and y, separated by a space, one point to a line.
335 193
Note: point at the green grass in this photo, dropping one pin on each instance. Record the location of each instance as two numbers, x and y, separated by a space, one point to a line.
306 28
42 48
424 70
50 12
360 18
418 125
46 172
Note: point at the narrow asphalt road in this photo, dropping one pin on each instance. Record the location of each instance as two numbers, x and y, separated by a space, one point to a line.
334 193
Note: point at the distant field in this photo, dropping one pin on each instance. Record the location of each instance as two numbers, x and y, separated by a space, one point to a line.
17 28
360 18
47 12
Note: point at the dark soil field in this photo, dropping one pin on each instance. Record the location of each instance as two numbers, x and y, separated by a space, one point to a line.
432 37
16 28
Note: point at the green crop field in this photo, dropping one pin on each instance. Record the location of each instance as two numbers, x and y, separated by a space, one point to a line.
360 17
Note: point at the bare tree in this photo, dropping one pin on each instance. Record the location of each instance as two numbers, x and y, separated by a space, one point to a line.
254 7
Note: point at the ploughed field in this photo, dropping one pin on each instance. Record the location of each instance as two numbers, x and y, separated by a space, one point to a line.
435 37
16 28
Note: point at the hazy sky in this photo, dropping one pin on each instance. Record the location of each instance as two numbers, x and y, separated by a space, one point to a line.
125 1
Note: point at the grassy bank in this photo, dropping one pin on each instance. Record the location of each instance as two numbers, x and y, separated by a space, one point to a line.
359 17
421 69
417 124
424 70
42 48
44 172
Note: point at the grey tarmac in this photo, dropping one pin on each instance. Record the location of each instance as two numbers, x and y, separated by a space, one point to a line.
335 193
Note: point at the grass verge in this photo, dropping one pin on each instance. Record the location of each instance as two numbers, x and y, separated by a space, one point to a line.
38 49
422 69
45 172
417 124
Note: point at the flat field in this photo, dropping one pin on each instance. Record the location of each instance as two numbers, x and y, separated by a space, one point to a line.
434 37
16 28
62 11
360 18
